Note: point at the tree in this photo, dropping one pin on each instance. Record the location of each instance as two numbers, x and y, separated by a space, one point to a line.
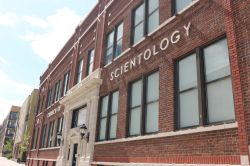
8 147
24 146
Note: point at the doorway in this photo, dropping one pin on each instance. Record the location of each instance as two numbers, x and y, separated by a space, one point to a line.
74 154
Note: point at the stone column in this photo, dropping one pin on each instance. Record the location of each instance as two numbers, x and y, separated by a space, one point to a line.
62 157
92 126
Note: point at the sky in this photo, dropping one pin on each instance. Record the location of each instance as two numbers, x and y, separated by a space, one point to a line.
32 32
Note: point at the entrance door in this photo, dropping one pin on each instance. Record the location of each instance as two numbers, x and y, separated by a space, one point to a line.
74 155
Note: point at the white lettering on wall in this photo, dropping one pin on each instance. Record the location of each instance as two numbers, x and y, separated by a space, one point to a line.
146 55
54 111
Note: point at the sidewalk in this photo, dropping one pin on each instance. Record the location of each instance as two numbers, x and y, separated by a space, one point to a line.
5 162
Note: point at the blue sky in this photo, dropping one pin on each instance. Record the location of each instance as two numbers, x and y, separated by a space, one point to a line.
32 32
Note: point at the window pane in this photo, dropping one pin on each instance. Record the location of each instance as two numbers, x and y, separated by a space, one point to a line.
216 60
74 122
220 101
152 117
187 73
113 124
82 116
109 54
153 21
135 121
138 33
65 84
110 40
189 110
90 69
115 102
118 50
153 87
180 4
136 93
119 31
92 54
79 71
104 106
90 62
152 5
139 14
102 132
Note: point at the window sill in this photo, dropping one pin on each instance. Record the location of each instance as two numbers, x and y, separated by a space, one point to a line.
123 53
39 114
139 42
107 64
173 133
115 59
50 148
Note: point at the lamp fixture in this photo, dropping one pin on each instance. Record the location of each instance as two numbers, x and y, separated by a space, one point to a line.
84 132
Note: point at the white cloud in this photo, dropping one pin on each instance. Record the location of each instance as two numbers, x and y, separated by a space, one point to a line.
61 26
35 21
8 19
7 83
16 91
3 61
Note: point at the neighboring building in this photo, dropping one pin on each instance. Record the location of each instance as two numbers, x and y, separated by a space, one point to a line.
9 129
173 80
2 134
24 126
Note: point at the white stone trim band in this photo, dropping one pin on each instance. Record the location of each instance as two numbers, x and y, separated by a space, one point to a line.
174 133
154 164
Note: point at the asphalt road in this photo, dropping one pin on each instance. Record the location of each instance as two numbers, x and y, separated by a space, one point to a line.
5 162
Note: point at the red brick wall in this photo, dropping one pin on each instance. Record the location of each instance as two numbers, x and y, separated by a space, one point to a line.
49 154
207 18
210 20
241 13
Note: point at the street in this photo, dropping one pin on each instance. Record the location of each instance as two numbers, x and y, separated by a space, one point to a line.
5 162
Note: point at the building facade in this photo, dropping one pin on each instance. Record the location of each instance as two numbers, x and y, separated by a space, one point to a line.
23 131
9 130
171 78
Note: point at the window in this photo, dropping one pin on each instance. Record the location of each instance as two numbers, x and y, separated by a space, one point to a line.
79 117
114 43
65 83
59 130
90 65
11 124
79 71
220 103
49 97
57 91
50 134
204 87
40 104
181 4
144 105
188 92
13 115
108 116
43 136
45 163
146 19
34 141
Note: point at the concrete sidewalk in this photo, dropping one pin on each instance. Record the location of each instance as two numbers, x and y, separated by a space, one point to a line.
5 162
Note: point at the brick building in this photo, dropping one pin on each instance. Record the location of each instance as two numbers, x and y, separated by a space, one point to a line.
9 129
173 80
